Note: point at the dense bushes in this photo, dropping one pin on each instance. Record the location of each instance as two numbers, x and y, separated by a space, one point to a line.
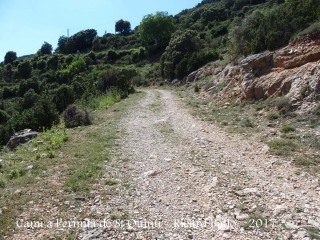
120 78
273 27
42 86
63 97
35 89
81 41
182 56
4 117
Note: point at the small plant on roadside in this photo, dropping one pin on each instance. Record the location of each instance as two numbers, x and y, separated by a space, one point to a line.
283 104
287 128
314 141
13 174
305 161
272 116
111 182
51 154
196 88
247 122
2 183
299 210
282 146
22 172
52 138
316 111
314 232
112 96
260 106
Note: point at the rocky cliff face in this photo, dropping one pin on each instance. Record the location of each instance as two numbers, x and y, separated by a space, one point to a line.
293 71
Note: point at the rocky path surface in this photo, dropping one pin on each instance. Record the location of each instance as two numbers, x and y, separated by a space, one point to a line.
180 178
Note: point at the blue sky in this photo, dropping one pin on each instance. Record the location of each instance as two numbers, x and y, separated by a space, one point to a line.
26 24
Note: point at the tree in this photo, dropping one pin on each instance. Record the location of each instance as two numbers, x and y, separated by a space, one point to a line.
53 62
62 44
24 70
123 27
157 29
46 48
10 57
8 74
81 41
30 98
181 46
63 97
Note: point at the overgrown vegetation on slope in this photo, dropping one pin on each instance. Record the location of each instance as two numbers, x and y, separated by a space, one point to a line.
35 89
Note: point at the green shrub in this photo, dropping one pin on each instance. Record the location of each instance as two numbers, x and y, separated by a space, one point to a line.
69 59
112 96
182 47
282 146
63 97
283 104
53 62
120 78
305 161
9 92
5 133
287 129
26 85
4 116
76 67
2 183
44 113
247 122
271 28
111 182
29 99
272 116
313 28
41 64
316 111
196 88
13 174
52 138
24 70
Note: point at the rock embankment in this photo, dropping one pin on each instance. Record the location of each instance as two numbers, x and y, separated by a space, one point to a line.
292 71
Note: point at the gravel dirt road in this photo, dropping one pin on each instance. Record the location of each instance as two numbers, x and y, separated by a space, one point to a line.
172 176
181 178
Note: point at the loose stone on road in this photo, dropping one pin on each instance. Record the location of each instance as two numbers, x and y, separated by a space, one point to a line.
186 179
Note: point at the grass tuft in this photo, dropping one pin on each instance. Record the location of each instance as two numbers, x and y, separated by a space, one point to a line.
111 182
272 116
287 128
112 96
282 146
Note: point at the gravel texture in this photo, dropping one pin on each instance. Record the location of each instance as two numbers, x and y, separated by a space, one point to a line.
181 178
172 176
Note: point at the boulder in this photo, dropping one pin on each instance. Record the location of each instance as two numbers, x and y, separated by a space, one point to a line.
21 137
191 77
292 71
176 82
258 61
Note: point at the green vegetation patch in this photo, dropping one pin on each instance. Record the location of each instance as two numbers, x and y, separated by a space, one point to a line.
287 128
283 146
